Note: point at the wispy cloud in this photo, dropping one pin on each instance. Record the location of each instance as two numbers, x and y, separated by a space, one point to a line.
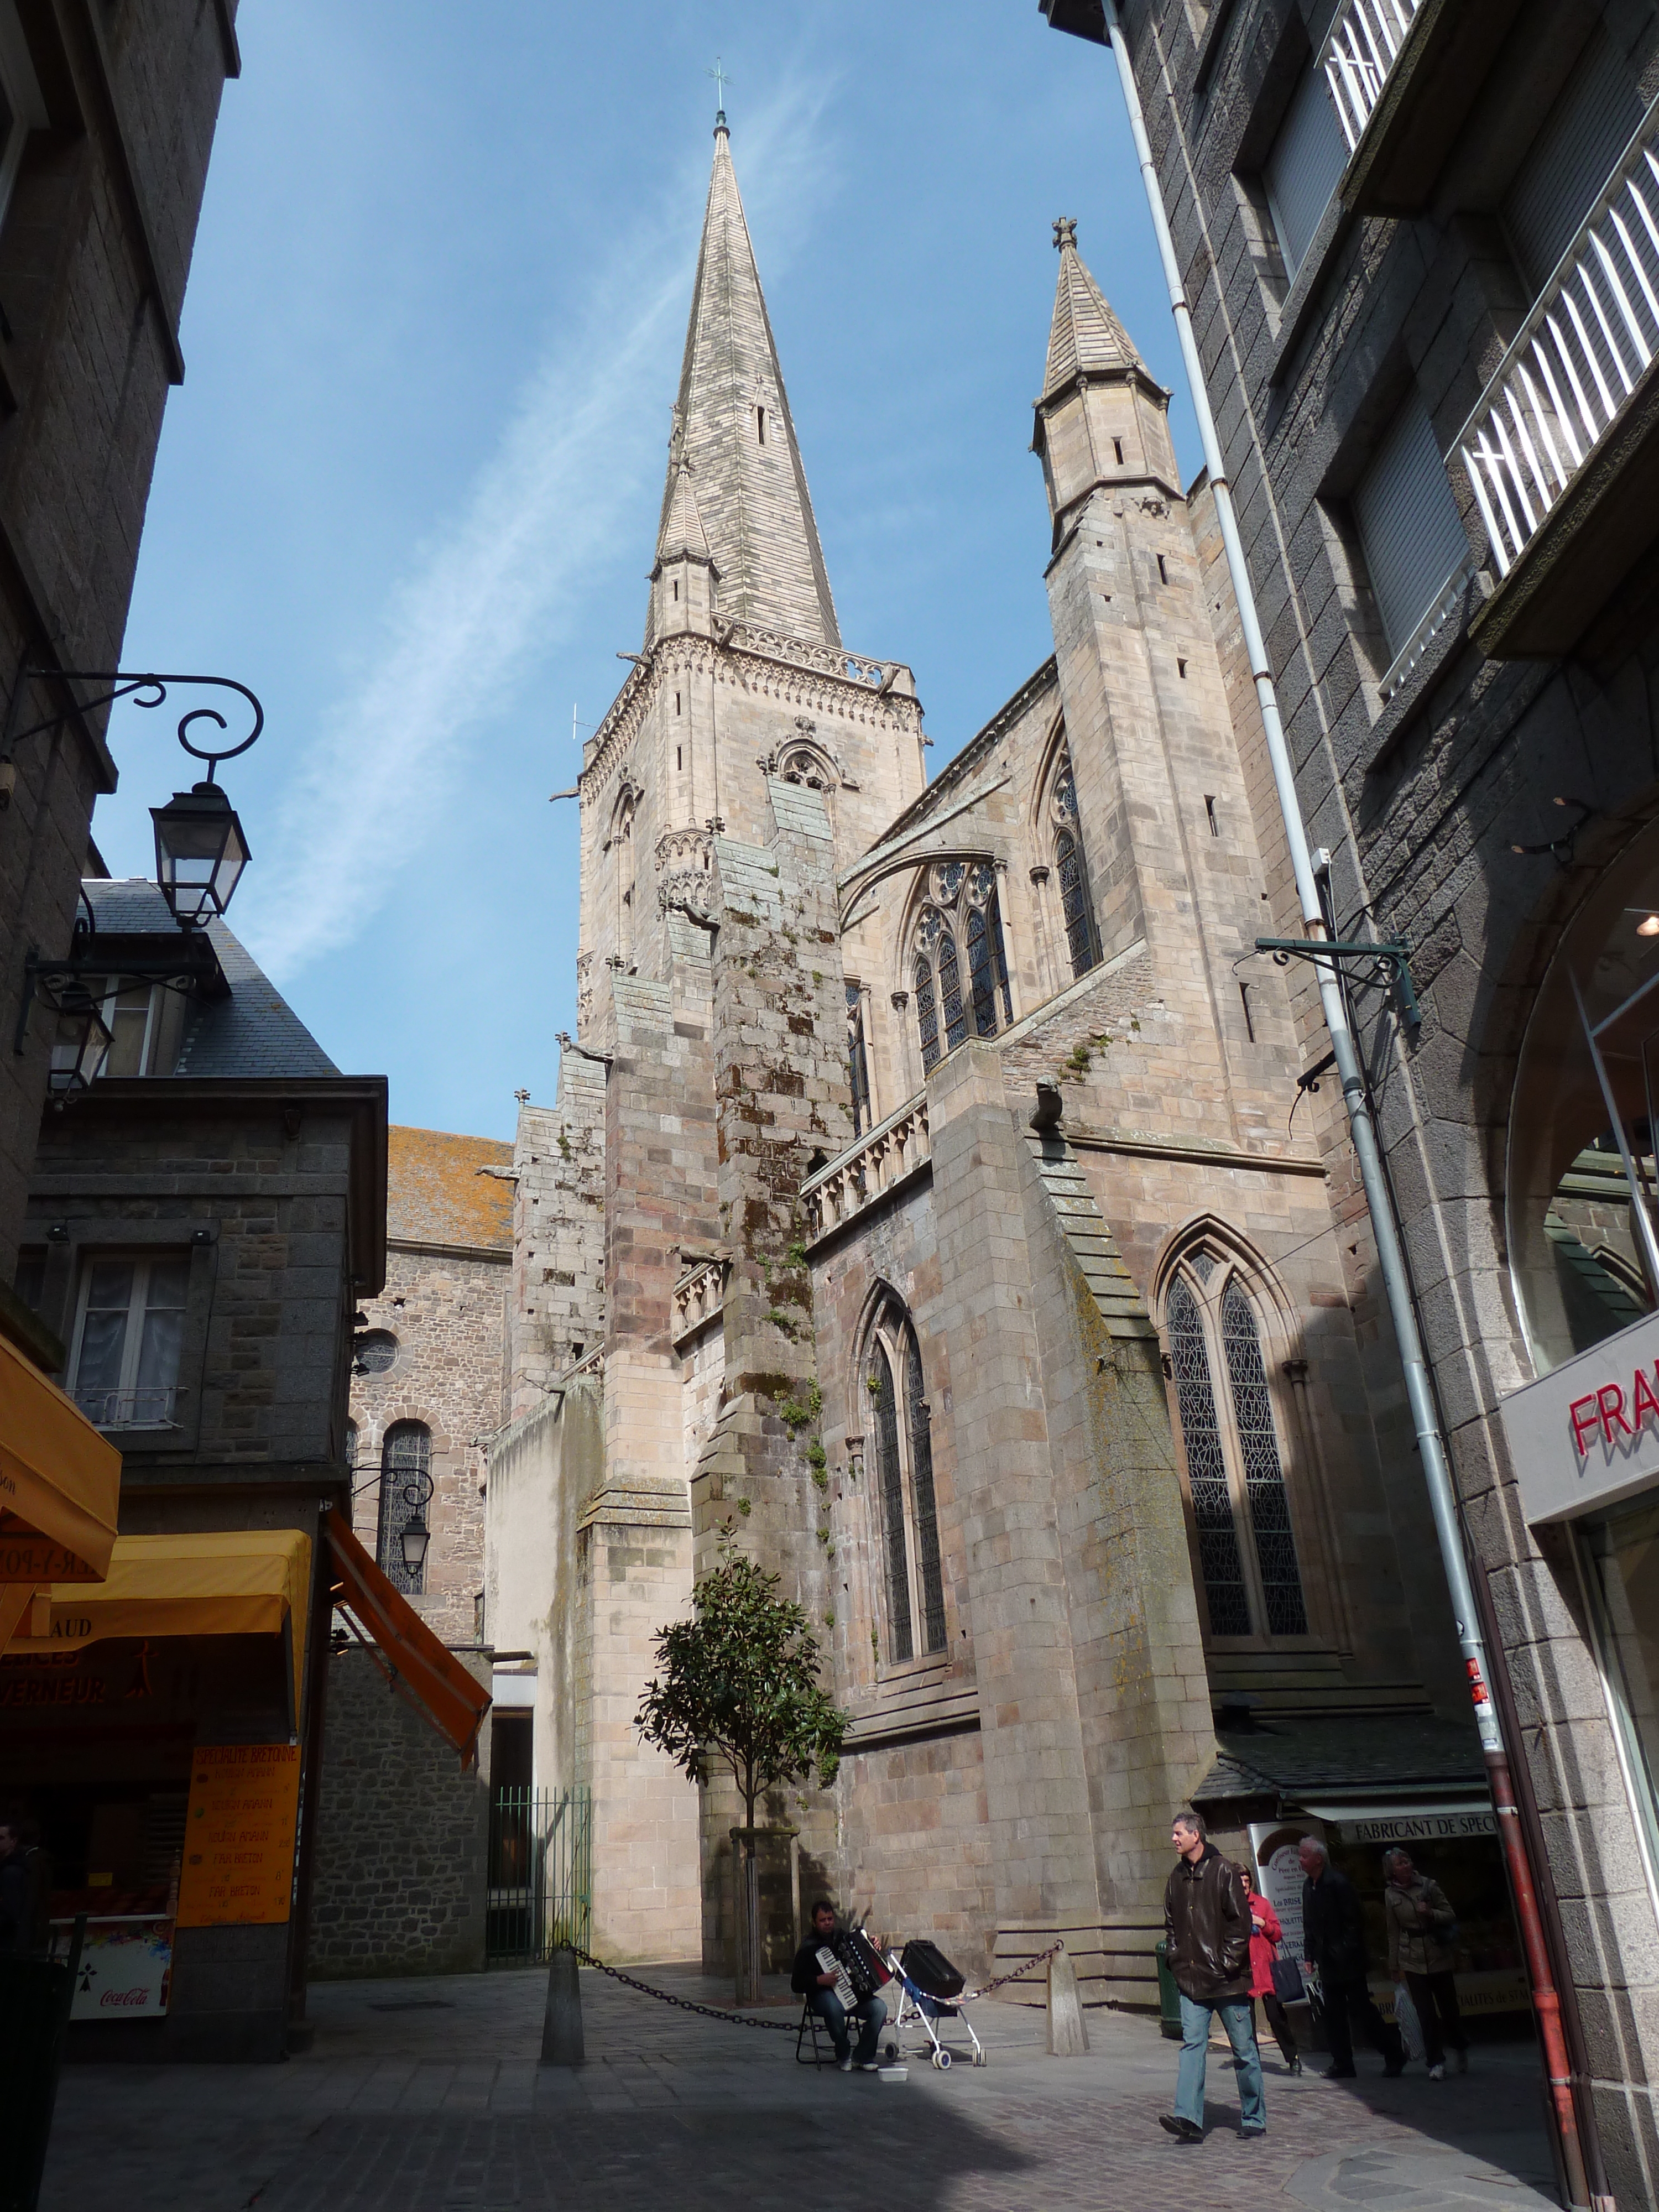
506 578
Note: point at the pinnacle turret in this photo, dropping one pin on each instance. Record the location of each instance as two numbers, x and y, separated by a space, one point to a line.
733 434
1085 338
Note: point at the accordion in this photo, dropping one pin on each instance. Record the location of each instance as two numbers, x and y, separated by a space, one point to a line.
861 1963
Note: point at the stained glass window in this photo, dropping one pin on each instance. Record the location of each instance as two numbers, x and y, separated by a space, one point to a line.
978 975
930 1577
1264 1472
1220 1563
949 993
926 1015
890 1477
1074 905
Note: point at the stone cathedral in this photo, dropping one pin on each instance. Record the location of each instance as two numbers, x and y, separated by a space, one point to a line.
924 1204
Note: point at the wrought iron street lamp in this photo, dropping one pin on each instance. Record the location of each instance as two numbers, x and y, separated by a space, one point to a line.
82 1040
200 853
415 1539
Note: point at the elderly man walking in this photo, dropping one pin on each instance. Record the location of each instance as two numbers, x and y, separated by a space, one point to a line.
1206 1924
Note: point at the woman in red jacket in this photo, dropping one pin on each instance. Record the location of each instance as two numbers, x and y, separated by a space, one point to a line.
1266 1936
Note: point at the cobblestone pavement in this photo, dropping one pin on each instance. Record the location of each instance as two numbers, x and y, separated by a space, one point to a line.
425 2096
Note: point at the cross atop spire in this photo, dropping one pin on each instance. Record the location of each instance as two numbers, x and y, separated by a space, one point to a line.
1085 338
721 80
733 434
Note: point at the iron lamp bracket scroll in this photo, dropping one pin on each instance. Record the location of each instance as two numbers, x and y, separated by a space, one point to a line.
1387 960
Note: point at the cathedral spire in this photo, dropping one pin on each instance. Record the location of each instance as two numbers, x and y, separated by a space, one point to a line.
732 430
1085 338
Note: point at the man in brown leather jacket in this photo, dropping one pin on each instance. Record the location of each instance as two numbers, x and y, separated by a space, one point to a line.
1207 1927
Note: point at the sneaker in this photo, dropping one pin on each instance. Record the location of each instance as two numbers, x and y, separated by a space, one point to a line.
1293 2065
1437 2073
1186 2131
1251 2135
869 2066
844 2065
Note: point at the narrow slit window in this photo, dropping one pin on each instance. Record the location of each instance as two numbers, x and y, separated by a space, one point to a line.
1209 809
679 756
1163 570
1180 669
927 1016
1118 448
930 1577
857 1059
760 425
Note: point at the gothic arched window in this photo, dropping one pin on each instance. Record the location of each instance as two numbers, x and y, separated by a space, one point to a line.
902 1460
1077 906
1246 1559
858 1059
622 838
405 1491
963 913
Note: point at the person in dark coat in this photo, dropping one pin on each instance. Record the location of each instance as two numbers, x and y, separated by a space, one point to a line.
1422 1926
815 1981
1207 1928
1333 1935
23 1889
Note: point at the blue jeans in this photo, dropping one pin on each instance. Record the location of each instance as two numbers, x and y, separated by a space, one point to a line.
834 2014
1234 2013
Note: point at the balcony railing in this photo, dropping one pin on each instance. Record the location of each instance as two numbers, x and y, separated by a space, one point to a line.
1366 42
1575 362
150 1407
869 1167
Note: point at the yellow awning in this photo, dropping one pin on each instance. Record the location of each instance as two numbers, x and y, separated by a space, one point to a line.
232 1581
60 1481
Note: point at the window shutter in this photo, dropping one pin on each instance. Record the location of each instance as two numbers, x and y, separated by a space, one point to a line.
1568 163
1305 166
1412 535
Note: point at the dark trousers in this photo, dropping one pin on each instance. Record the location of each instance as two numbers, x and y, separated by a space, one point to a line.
1349 2005
1435 1996
834 2014
1280 2020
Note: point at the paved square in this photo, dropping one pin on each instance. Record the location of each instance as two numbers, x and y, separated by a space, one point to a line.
425 2096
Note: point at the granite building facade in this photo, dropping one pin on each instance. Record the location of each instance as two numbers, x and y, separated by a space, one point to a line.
926 1220
1420 245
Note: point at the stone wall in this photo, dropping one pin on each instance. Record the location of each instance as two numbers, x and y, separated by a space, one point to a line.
556 1311
402 1838
447 1315
91 349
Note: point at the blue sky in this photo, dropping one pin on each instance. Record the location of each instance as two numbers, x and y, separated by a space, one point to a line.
408 491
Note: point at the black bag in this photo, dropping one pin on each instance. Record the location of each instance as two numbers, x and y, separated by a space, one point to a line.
930 1969
1288 1985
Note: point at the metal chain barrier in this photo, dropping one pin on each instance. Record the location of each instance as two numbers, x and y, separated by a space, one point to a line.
1014 1973
779 2027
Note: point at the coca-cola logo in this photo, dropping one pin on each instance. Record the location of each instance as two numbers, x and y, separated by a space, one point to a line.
135 1999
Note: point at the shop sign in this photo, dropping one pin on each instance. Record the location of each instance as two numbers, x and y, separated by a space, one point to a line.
1279 1874
1587 1436
125 1969
239 1835
1419 1827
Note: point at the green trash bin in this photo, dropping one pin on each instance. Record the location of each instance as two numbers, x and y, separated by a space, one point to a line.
1168 1997
35 2008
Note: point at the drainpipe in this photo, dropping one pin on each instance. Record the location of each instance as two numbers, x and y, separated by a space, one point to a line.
1402 1311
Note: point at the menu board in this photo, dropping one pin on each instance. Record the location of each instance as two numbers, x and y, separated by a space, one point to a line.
239 1835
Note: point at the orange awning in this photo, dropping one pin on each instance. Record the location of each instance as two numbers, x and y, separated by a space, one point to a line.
60 1481
234 1582
417 1663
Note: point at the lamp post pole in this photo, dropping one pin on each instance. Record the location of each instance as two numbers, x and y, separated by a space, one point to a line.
1379 1200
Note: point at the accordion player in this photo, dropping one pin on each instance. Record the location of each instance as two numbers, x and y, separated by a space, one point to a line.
838 1972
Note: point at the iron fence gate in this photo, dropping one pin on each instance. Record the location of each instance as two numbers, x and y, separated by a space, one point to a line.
541 1874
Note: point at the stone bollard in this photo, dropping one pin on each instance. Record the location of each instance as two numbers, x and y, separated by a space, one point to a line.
1069 2034
561 2024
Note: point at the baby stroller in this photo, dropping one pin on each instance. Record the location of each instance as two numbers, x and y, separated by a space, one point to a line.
930 1990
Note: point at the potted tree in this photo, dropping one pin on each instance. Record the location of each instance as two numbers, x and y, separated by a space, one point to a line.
738 1684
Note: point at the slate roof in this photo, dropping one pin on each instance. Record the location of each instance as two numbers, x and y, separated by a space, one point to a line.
254 1033
435 1195
1296 1759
